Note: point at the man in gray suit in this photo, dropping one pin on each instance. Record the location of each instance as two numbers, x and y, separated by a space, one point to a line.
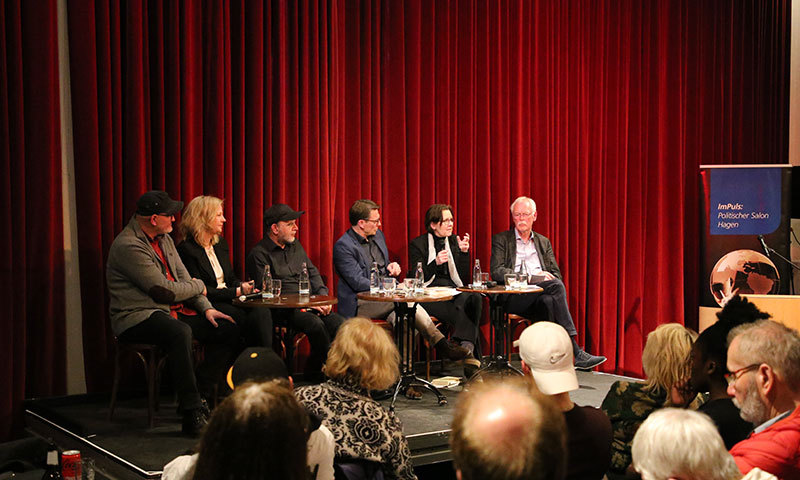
522 249
154 300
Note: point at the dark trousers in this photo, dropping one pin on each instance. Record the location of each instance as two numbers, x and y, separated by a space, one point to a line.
320 330
462 313
254 323
175 337
551 302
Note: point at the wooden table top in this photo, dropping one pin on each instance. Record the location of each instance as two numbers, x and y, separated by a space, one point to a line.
501 289
288 300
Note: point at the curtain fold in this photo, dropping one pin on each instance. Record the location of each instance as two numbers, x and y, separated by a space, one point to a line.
32 344
601 111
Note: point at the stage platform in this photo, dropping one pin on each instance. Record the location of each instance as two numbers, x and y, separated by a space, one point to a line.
126 449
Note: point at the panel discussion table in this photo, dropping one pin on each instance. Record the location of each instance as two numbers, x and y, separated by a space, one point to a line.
286 300
405 308
501 334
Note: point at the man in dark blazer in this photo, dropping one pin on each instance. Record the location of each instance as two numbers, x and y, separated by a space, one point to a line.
522 247
353 256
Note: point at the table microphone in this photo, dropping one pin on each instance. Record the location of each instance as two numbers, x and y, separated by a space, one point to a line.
242 298
763 244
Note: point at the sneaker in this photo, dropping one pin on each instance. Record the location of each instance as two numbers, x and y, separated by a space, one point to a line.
193 422
449 350
586 361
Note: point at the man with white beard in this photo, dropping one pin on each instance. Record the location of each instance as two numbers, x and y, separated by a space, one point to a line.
764 379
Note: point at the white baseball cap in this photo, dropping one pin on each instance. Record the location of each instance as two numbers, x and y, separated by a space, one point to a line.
546 349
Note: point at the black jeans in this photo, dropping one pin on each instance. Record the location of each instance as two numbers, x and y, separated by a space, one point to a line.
175 337
463 313
320 330
254 323
552 301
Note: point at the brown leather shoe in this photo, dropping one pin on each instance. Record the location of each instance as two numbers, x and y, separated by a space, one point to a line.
449 350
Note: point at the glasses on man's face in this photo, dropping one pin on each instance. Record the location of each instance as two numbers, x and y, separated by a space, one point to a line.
523 214
376 221
731 377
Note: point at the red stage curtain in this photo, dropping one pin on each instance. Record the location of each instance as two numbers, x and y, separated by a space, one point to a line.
32 346
600 110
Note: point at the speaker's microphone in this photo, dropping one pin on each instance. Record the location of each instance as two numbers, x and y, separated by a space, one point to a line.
242 298
763 244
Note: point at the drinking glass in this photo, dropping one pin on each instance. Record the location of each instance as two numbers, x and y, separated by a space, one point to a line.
276 288
408 284
522 279
388 285
510 279
485 278
87 469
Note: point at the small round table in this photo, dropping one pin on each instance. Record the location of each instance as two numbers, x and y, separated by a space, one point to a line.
405 309
287 300
501 328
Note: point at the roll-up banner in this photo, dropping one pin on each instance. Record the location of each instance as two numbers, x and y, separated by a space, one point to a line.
739 203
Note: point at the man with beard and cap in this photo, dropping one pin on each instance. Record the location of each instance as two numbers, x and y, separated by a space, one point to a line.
285 256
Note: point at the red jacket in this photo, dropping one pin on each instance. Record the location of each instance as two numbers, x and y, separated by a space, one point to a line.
775 450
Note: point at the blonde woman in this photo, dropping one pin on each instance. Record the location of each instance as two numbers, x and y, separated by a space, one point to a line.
665 361
362 357
206 256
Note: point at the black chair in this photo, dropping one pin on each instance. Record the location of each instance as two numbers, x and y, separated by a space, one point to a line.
153 359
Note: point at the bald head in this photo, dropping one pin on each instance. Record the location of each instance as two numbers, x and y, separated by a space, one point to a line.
506 431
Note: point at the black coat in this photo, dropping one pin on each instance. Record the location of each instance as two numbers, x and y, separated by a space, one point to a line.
199 266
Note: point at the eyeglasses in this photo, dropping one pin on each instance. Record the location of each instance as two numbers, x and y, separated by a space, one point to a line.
731 377
522 214
376 221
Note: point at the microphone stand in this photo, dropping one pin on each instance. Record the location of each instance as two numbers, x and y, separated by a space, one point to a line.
792 264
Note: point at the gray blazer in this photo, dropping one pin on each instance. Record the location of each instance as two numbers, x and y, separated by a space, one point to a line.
504 254
137 280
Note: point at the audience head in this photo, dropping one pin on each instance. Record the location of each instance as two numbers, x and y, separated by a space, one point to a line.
280 223
203 218
764 361
155 212
681 444
710 350
665 358
364 351
546 352
257 364
508 430
523 212
439 220
259 431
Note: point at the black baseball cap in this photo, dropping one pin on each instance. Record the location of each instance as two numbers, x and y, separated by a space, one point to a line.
280 212
157 202
256 364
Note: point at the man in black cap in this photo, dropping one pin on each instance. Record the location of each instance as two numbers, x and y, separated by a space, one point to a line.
154 300
285 257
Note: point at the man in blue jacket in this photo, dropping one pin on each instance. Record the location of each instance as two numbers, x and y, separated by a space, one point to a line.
353 255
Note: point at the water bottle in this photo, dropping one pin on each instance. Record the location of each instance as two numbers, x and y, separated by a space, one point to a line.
419 280
476 275
374 279
266 283
304 286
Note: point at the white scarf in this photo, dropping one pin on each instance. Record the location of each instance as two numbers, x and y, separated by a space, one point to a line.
451 264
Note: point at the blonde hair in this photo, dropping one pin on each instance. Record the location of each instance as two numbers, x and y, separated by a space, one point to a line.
665 358
197 215
363 350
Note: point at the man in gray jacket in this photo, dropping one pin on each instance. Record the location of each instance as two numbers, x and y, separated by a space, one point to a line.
154 300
